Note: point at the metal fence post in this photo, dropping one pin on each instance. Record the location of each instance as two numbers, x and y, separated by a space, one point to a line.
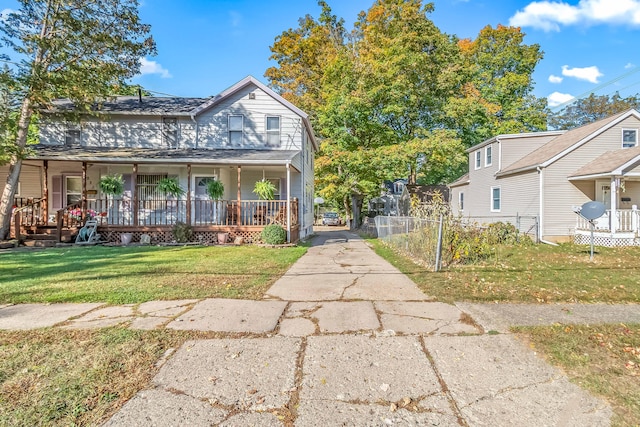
439 246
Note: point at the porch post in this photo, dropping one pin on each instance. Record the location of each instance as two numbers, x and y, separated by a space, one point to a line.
45 192
613 220
239 196
189 194
83 201
134 180
288 203
634 218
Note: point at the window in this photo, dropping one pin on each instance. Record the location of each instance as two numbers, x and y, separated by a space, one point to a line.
170 132
629 138
461 201
487 157
478 159
148 187
72 135
73 189
495 199
273 131
236 130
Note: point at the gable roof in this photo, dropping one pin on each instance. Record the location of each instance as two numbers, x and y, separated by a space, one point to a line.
565 143
177 106
610 163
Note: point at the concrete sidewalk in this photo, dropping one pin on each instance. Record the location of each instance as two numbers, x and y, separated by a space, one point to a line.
343 338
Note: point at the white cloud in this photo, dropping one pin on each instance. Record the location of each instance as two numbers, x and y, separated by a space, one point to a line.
152 67
590 74
555 79
4 13
629 66
557 98
550 15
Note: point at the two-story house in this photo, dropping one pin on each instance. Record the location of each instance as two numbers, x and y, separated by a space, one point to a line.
245 134
548 176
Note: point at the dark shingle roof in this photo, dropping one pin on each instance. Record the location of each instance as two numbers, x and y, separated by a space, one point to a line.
133 105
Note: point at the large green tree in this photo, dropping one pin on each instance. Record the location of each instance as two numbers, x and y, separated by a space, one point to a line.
496 86
590 109
78 49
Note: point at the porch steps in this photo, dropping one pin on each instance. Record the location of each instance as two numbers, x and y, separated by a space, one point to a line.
40 241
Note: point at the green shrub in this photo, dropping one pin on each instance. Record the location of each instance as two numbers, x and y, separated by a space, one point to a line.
182 232
273 234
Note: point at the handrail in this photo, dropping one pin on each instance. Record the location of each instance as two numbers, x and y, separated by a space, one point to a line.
27 215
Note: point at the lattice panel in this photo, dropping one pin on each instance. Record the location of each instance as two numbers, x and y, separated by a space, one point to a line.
583 239
203 237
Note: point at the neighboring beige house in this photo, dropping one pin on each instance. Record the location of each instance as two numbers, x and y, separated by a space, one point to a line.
545 177
245 134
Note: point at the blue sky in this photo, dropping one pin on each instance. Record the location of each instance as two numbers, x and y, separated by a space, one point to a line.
205 46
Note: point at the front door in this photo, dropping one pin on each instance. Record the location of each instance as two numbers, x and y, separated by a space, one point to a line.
203 207
605 198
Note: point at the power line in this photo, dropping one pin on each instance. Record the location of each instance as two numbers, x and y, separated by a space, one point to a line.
597 88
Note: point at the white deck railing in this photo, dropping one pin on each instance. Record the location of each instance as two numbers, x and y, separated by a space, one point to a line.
627 220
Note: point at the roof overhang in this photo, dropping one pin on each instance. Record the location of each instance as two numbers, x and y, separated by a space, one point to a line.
238 157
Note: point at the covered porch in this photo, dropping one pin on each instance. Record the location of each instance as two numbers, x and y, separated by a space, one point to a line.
614 180
70 195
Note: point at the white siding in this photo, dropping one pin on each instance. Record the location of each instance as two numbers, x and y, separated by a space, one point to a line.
514 149
560 195
213 124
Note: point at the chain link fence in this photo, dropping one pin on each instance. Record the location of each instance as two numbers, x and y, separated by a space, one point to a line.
422 239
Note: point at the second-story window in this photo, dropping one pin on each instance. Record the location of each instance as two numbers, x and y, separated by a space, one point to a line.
488 154
478 159
236 130
72 136
629 138
273 131
170 132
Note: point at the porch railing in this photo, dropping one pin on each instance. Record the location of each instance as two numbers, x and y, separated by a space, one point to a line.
27 212
162 212
627 220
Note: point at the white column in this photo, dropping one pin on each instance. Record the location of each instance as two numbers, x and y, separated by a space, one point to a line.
288 203
614 197
634 218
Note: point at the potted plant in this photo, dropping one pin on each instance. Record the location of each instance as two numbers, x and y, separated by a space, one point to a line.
215 190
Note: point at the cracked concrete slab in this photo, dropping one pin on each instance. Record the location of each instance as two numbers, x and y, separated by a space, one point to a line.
165 308
360 368
243 374
422 318
230 315
320 413
33 316
297 327
496 377
158 407
343 316
500 317
252 419
297 286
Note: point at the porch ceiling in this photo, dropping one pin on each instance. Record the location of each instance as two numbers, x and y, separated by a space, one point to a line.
184 156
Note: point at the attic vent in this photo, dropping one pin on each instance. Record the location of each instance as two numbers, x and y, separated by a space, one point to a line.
252 95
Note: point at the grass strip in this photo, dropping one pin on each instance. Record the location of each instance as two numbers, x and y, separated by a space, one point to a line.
603 359
531 274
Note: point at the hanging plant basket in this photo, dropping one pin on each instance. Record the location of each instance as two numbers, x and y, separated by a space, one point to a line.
215 189
265 190
170 187
112 185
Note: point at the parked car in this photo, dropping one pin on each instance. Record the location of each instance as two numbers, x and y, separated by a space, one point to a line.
331 218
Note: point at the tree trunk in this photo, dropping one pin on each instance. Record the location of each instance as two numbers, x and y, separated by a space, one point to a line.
11 185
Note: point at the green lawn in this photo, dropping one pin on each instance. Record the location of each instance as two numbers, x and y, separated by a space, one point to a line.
534 273
119 275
